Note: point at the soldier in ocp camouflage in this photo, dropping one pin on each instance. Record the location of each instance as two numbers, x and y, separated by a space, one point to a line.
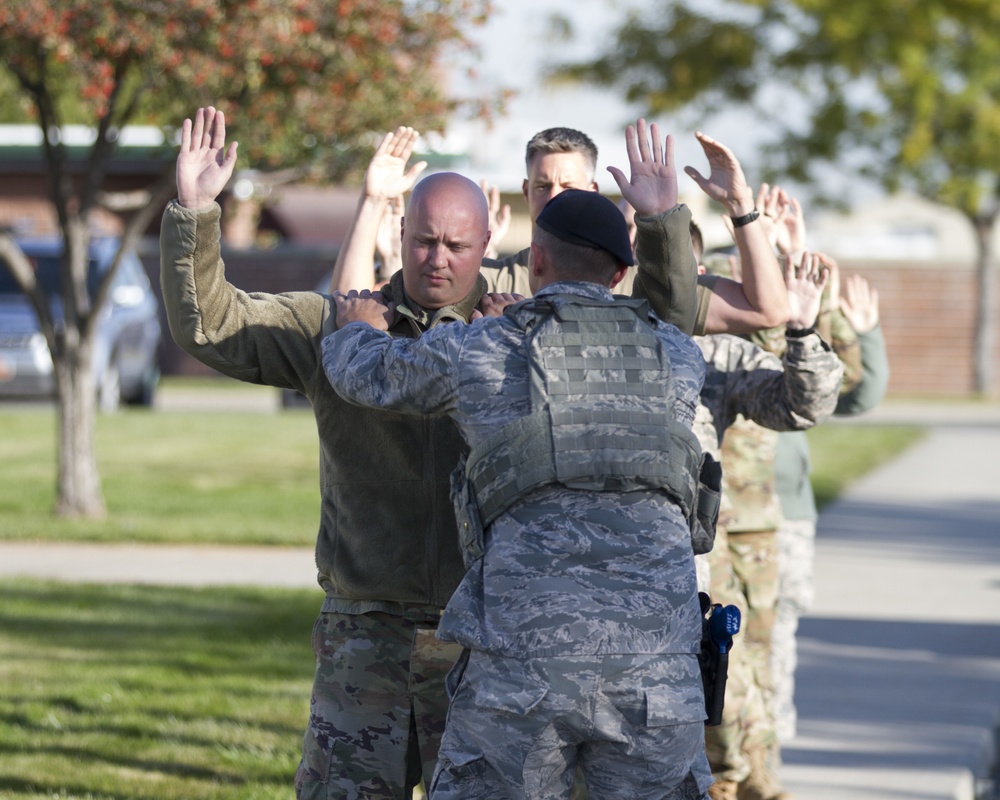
738 389
361 660
581 618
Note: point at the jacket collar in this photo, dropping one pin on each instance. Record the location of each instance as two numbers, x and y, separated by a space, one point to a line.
425 319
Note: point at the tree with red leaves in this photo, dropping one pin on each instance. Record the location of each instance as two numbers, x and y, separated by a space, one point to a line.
304 84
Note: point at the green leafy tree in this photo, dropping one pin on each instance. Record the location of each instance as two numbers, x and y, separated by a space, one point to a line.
302 82
907 93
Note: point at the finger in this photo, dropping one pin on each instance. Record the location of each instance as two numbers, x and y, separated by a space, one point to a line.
476 314
696 176
186 136
643 135
708 144
413 173
668 151
405 143
219 131
762 198
198 129
789 271
386 142
620 179
654 132
631 147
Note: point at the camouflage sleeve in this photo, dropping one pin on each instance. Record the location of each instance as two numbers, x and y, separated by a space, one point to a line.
794 396
848 349
368 367
667 271
875 379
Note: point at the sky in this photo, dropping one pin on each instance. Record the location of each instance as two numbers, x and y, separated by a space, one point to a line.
515 51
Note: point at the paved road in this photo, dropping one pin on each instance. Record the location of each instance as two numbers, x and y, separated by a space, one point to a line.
899 676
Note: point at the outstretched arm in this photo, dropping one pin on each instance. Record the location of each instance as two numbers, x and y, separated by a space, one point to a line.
385 178
761 301
204 164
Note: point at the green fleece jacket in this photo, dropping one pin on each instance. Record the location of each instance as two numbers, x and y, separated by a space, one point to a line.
387 539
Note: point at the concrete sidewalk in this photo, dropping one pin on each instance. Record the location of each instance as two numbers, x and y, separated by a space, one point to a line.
899 673
899 662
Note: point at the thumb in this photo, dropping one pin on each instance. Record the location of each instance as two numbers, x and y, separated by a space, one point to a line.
414 172
619 177
696 176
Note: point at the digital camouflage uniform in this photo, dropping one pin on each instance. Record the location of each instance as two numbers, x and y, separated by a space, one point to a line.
745 381
581 618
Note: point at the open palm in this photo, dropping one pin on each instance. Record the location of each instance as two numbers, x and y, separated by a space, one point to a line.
204 164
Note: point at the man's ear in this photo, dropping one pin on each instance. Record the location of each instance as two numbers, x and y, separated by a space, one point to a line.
619 275
593 186
539 259
486 242
402 227
524 188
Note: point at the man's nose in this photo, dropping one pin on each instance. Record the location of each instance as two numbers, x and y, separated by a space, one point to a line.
437 257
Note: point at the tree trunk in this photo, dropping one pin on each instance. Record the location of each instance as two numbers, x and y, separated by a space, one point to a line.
983 342
79 482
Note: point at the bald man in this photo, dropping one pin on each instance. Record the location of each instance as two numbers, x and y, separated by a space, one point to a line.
387 549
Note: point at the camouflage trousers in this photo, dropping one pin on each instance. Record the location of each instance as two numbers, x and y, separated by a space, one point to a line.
744 572
796 555
378 707
518 728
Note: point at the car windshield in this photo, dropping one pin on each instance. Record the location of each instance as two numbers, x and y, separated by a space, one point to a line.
47 271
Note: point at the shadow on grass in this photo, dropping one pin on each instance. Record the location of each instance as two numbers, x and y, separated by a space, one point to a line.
191 631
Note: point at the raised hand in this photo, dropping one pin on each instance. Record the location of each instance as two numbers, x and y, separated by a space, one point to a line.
388 243
726 182
204 164
805 284
652 186
387 176
860 304
499 218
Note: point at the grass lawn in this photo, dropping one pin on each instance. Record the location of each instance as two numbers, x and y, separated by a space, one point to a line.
236 477
843 453
136 693
249 477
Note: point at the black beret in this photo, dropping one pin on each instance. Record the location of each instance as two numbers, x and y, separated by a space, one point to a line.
588 219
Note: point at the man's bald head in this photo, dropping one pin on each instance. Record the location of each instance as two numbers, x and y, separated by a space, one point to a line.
445 234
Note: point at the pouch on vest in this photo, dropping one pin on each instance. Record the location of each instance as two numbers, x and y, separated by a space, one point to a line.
467 517
706 513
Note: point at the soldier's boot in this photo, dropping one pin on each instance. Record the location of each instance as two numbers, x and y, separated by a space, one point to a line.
763 782
723 790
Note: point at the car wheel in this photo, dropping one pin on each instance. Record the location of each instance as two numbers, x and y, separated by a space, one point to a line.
109 390
145 394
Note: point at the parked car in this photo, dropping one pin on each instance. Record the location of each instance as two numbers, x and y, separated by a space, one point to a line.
127 338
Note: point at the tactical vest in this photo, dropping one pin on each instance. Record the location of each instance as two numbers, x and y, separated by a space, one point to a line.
601 415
